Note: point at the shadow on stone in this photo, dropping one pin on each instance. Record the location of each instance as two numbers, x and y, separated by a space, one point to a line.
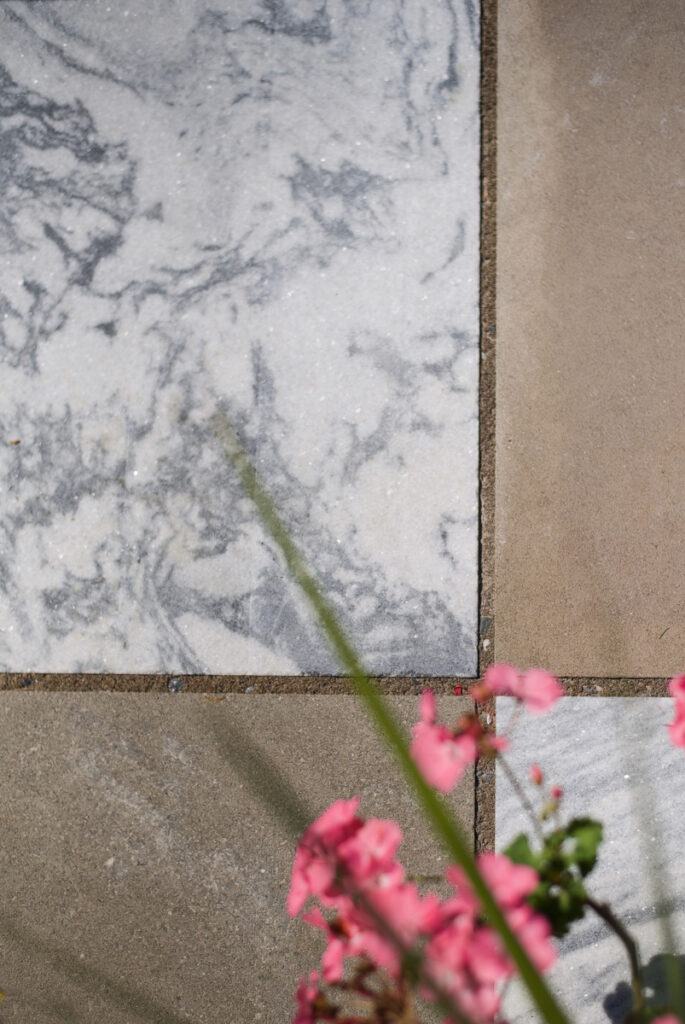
619 1003
263 777
93 979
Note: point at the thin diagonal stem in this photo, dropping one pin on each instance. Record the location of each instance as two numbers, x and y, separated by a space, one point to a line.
444 825
521 794
604 911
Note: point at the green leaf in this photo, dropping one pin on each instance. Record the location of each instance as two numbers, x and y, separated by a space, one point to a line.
588 835
561 904
520 852
567 856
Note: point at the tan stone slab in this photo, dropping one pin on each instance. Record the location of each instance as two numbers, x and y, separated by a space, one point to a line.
142 877
590 460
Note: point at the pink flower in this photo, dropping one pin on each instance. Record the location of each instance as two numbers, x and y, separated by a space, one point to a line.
556 792
463 902
486 959
305 998
441 755
676 730
332 959
536 688
369 855
676 688
510 883
350 866
428 709
502 679
536 774
668 1019
407 914
534 932
465 960
315 864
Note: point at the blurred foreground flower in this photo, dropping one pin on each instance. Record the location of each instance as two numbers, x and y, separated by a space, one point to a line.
535 688
676 730
349 866
401 940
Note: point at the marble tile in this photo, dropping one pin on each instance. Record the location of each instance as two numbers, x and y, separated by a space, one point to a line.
143 876
615 763
270 209
590 372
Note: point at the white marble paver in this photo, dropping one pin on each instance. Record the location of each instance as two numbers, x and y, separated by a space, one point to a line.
269 208
615 763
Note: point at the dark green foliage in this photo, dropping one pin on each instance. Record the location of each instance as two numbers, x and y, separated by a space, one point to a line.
567 856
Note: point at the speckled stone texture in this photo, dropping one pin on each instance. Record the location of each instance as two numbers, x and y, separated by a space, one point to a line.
268 209
615 763
590 484
143 878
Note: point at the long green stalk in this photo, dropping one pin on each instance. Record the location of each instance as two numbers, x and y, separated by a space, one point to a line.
442 822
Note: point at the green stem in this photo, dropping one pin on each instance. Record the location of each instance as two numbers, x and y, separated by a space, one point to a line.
604 911
443 824
527 806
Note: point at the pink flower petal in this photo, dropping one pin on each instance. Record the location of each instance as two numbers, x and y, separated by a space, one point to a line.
441 757
369 854
538 690
502 679
314 864
305 996
497 742
339 815
676 730
534 932
676 688
509 882
332 961
427 707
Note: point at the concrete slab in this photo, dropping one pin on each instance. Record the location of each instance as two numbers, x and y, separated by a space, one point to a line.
142 877
590 372
615 763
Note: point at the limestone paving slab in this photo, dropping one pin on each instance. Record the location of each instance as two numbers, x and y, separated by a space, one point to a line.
590 456
615 763
267 209
142 877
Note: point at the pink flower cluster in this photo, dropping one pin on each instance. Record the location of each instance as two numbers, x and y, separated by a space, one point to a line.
465 957
443 754
349 866
676 730
375 916
535 688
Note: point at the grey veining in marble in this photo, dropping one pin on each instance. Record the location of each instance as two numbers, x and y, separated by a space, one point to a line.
268 207
613 758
